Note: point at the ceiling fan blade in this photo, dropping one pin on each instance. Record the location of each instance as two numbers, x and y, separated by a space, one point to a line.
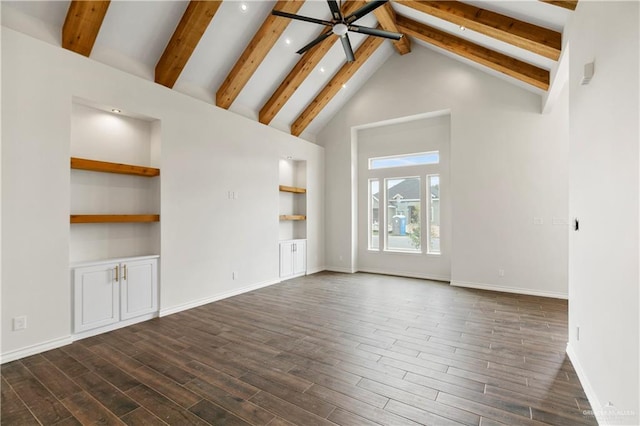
375 32
301 18
346 45
317 40
335 10
363 11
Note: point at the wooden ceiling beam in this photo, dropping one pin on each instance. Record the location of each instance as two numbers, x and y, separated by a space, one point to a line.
184 40
567 4
254 54
536 39
82 25
386 17
497 61
364 52
301 70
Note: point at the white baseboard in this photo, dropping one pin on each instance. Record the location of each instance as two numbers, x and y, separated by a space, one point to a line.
111 327
340 269
225 295
395 273
35 349
316 270
596 407
516 290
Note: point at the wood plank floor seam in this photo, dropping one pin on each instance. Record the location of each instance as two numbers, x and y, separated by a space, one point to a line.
325 349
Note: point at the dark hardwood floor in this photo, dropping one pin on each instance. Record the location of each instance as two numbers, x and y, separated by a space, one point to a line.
320 350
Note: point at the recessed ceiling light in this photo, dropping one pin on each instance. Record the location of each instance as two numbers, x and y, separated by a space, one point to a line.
344 86
321 69
243 7
287 40
116 110
462 28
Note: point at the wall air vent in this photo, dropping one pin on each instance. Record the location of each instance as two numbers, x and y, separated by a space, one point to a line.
589 70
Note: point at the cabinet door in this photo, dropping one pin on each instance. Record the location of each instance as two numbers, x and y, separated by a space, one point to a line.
96 294
300 257
286 259
139 293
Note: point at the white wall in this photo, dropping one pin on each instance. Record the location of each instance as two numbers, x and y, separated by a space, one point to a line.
508 165
604 192
204 153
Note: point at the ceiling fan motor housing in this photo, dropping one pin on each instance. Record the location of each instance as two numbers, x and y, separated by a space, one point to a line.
340 29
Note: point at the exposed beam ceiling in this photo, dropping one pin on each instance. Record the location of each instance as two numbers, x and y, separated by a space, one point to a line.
301 70
255 52
82 25
515 68
567 4
386 17
364 52
539 40
238 60
185 38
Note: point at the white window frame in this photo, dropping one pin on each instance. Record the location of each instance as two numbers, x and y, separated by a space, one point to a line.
385 247
401 156
370 215
429 205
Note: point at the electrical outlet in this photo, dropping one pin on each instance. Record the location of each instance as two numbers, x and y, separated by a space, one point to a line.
19 323
501 272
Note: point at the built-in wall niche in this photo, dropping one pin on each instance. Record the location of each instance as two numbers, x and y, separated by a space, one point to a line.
293 199
99 134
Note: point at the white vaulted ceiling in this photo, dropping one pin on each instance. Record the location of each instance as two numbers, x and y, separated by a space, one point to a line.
134 35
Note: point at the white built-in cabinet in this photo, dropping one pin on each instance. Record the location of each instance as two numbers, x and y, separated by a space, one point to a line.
293 258
114 216
112 293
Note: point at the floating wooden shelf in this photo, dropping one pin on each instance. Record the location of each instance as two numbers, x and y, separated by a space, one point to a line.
293 217
114 218
106 167
293 189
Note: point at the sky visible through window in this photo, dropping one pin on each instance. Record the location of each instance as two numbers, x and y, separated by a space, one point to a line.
405 160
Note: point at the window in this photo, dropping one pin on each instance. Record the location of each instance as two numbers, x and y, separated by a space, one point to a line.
404 211
433 197
374 214
403 200
417 159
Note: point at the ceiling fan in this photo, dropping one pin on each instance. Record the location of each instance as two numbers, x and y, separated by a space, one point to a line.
340 25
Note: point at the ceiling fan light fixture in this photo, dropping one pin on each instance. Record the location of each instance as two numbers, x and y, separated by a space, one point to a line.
340 25
340 29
